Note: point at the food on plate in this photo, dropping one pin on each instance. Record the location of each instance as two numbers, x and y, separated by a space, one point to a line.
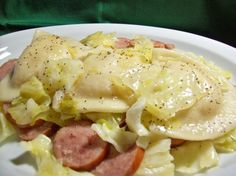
79 147
108 105
125 163
6 68
30 133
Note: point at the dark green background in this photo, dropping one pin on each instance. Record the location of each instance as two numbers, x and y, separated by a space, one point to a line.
211 18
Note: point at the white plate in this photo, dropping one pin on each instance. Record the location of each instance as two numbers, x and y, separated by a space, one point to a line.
221 54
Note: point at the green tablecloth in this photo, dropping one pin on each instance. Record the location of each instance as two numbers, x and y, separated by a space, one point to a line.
212 18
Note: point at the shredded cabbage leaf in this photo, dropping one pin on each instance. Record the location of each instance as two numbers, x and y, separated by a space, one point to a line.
157 160
6 129
33 104
143 48
108 129
226 143
134 122
133 118
47 164
32 101
66 105
143 141
99 38
200 156
34 89
26 113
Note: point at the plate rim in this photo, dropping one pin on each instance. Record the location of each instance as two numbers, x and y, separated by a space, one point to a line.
118 24
196 41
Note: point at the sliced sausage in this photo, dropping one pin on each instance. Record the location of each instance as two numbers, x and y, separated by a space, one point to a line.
169 46
124 43
7 68
79 147
30 133
159 44
124 164
177 142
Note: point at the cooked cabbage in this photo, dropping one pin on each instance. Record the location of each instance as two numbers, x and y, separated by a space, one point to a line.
68 105
6 129
226 143
143 141
99 39
108 129
32 101
34 89
157 160
26 113
133 118
33 104
47 164
194 157
30 112
142 48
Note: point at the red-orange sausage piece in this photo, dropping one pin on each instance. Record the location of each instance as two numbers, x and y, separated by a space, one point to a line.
169 46
7 68
79 147
159 44
30 133
124 164
124 43
176 142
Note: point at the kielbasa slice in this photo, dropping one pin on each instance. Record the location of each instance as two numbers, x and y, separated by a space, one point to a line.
79 147
7 68
124 43
30 133
169 46
159 44
124 164
176 142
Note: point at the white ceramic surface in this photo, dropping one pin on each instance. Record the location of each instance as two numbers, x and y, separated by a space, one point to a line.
221 54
